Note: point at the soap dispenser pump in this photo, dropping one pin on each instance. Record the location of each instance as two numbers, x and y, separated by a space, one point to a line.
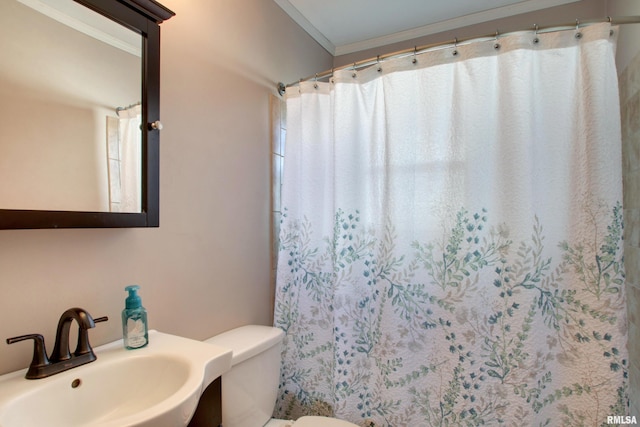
134 320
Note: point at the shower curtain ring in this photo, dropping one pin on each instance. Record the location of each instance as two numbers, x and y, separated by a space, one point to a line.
578 33
378 61
610 23
315 82
455 46
415 54
535 38
496 45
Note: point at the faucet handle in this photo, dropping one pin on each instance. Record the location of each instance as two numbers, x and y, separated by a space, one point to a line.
83 346
40 358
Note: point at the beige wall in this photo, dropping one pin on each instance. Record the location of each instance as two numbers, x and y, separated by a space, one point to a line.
628 60
207 268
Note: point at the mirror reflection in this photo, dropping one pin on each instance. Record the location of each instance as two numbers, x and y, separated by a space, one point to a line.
70 90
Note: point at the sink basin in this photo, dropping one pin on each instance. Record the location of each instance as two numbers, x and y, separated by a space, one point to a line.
158 386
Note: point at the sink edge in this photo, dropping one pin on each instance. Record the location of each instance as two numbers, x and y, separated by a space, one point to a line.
209 362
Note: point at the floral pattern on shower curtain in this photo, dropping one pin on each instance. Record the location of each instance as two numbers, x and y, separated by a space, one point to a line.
451 243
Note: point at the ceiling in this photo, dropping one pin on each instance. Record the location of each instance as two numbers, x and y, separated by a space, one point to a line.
346 26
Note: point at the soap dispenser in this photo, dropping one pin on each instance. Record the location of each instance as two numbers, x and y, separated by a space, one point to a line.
134 320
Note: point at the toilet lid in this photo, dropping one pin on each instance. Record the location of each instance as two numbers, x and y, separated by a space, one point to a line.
322 422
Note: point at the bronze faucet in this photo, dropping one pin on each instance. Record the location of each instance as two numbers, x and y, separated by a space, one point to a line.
61 358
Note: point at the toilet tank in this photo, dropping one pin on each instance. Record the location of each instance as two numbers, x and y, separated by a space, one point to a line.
249 389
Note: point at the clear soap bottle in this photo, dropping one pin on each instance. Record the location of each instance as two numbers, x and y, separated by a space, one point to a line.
134 320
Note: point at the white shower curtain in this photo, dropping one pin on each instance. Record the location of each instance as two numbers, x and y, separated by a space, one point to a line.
451 242
130 160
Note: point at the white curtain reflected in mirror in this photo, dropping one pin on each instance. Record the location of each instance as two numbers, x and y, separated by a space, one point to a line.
124 147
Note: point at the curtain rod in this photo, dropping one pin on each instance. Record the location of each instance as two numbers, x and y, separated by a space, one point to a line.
128 106
433 46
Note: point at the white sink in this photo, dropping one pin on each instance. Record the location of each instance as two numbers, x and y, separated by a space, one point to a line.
158 386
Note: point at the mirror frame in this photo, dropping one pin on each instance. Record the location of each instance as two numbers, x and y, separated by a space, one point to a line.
143 17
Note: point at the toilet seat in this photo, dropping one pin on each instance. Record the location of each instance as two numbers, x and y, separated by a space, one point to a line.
322 422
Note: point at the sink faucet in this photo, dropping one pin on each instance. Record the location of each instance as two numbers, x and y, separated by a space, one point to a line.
61 351
61 358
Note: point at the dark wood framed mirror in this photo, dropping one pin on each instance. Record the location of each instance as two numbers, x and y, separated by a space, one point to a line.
139 18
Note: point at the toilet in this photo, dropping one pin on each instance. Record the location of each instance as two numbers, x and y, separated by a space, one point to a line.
250 388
